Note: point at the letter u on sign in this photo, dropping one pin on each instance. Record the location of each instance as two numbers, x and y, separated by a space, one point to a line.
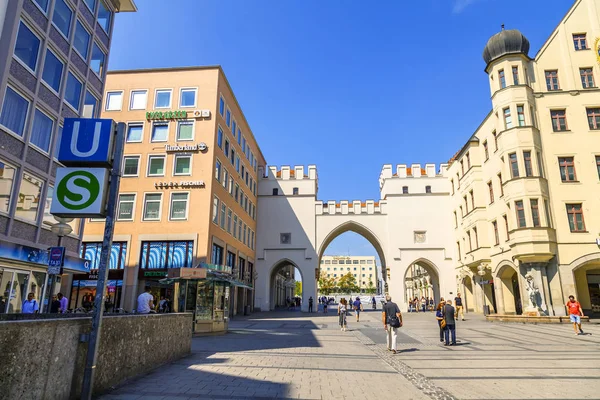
87 142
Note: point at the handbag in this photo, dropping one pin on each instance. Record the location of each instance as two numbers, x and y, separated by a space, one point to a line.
394 321
443 323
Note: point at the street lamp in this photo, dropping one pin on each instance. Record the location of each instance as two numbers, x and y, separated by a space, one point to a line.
481 272
61 228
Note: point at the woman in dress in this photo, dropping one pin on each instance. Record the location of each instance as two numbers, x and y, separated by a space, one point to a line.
342 308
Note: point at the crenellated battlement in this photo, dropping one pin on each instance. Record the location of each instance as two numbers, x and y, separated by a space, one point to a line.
404 171
350 207
286 172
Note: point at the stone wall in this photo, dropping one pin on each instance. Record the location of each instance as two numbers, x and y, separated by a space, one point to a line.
45 359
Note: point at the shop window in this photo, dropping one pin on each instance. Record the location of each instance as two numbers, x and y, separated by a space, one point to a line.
91 252
53 69
62 17
166 254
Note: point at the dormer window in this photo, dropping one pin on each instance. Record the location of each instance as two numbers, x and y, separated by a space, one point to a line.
580 41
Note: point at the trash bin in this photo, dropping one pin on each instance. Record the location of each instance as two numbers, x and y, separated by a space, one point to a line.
247 310
486 310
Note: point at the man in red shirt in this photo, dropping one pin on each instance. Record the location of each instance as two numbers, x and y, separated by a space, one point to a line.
575 313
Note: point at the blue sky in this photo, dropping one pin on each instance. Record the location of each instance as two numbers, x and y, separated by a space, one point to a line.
347 85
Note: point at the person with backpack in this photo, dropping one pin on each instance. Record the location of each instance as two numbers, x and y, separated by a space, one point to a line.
342 307
392 320
30 306
357 306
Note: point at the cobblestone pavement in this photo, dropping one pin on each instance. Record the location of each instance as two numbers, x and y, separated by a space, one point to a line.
300 356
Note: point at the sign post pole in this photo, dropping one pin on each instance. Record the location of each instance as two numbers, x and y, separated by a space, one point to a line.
94 338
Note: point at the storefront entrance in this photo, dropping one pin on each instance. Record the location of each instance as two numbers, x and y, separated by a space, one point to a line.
16 284
83 291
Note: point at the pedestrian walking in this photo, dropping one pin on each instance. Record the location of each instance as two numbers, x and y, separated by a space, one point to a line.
374 303
30 306
64 303
54 305
145 301
423 303
450 330
459 307
310 304
324 305
439 315
575 314
358 307
392 320
342 307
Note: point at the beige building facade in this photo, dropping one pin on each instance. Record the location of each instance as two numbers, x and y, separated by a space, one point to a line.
188 188
362 268
525 187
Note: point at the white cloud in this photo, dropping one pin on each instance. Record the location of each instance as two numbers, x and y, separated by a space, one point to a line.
460 5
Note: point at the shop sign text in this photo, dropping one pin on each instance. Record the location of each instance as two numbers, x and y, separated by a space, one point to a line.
166 114
179 185
169 148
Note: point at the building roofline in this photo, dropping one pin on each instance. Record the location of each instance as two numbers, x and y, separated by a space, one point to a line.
472 138
554 31
124 5
196 68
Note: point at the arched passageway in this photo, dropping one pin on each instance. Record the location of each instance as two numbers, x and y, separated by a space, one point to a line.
586 277
421 280
468 294
283 284
508 281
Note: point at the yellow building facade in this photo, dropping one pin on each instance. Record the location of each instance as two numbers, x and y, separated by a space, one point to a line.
526 185
188 187
362 268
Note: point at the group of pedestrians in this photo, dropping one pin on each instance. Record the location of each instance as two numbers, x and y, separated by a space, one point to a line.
421 305
344 308
58 305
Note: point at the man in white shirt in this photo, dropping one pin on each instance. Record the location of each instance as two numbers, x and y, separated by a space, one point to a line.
145 302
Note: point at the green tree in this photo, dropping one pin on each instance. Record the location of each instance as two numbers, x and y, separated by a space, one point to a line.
347 283
326 284
298 291
371 288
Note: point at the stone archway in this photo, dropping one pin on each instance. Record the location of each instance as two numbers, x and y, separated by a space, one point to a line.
508 283
469 294
421 279
586 282
282 283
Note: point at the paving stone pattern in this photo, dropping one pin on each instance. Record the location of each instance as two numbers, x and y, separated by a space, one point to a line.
300 356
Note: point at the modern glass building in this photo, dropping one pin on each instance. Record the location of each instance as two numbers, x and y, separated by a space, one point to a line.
53 57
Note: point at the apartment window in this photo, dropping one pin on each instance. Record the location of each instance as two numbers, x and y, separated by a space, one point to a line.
228 118
535 212
135 133
486 151
225 178
125 207
97 61
455 220
156 166
593 115
152 203
221 105
462 167
491 191
427 189
62 17
506 226
179 206
501 188
43 5
220 138
507 118
53 69
217 255
527 162
188 98
223 215
183 164
496 236
104 16
14 111
580 41
458 247
185 130
232 156
114 100
547 212
520 210
90 105
215 210
567 169
229 215
138 99
163 99
539 164
514 165
41 131
587 78
598 165
91 4
73 91
452 182
231 184
218 170
466 204
237 163
495 140
521 115
405 189
81 42
472 197
236 192
295 191
502 79
515 72
7 177
552 80
160 132
575 215
131 165
235 221
470 243
468 157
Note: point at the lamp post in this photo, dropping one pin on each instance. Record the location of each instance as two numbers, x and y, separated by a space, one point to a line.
60 229
481 273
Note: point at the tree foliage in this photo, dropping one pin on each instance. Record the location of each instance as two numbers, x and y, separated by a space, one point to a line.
298 291
326 284
371 289
347 284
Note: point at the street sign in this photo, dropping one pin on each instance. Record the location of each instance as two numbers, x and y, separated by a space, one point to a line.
80 192
56 258
87 142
